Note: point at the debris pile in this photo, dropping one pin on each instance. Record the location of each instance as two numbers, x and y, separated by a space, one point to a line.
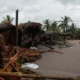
31 33
28 55
10 60
9 33
28 34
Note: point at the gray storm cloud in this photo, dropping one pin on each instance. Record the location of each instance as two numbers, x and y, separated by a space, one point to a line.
39 10
74 2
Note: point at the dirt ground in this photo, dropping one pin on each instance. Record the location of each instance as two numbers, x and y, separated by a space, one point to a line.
56 64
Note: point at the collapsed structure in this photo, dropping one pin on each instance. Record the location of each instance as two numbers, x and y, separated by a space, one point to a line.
10 59
11 56
9 32
28 33
53 37
31 33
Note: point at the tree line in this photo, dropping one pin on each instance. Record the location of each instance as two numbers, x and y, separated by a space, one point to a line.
65 25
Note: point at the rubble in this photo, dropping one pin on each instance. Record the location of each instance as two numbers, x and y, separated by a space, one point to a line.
10 60
31 34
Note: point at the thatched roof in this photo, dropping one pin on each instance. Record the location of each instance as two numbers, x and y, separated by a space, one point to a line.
5 27
32 24
29 24
31 27
50 32
54 33
65 34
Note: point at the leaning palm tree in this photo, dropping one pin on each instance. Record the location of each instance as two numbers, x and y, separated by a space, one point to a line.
47 24
7 20
64 23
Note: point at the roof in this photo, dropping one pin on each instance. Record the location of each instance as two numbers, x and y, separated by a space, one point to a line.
50 32
31 28
56 33
30 25
5 27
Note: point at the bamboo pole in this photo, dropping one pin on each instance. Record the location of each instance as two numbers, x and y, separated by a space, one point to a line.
11 61
10 74
11 52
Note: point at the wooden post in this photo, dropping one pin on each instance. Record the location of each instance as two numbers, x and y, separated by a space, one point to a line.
16 32
16 27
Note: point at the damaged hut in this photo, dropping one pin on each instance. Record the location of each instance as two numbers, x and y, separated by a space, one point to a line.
9 32
31 34
28 33
52 37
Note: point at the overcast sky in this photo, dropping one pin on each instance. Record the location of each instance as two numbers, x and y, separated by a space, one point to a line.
39 10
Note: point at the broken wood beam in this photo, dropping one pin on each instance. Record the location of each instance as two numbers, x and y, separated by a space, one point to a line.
47 46
10 74
51 50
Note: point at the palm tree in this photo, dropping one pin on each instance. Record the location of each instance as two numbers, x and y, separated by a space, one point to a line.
64 23
7 20
47 24
72 29
54 26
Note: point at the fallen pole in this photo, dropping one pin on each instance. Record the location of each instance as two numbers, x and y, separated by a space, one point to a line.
47 46
51 50
10 74
10 62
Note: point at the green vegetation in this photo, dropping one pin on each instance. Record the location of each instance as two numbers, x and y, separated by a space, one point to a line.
47 24
7 19
65 25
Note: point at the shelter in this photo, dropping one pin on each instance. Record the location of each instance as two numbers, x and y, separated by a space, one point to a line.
31 33
52 36
9 33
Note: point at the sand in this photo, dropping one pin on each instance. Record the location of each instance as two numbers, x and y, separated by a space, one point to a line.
63 65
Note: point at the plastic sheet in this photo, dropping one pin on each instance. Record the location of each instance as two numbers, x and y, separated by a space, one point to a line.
30 66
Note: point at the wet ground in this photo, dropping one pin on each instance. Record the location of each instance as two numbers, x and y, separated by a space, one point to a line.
56 64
